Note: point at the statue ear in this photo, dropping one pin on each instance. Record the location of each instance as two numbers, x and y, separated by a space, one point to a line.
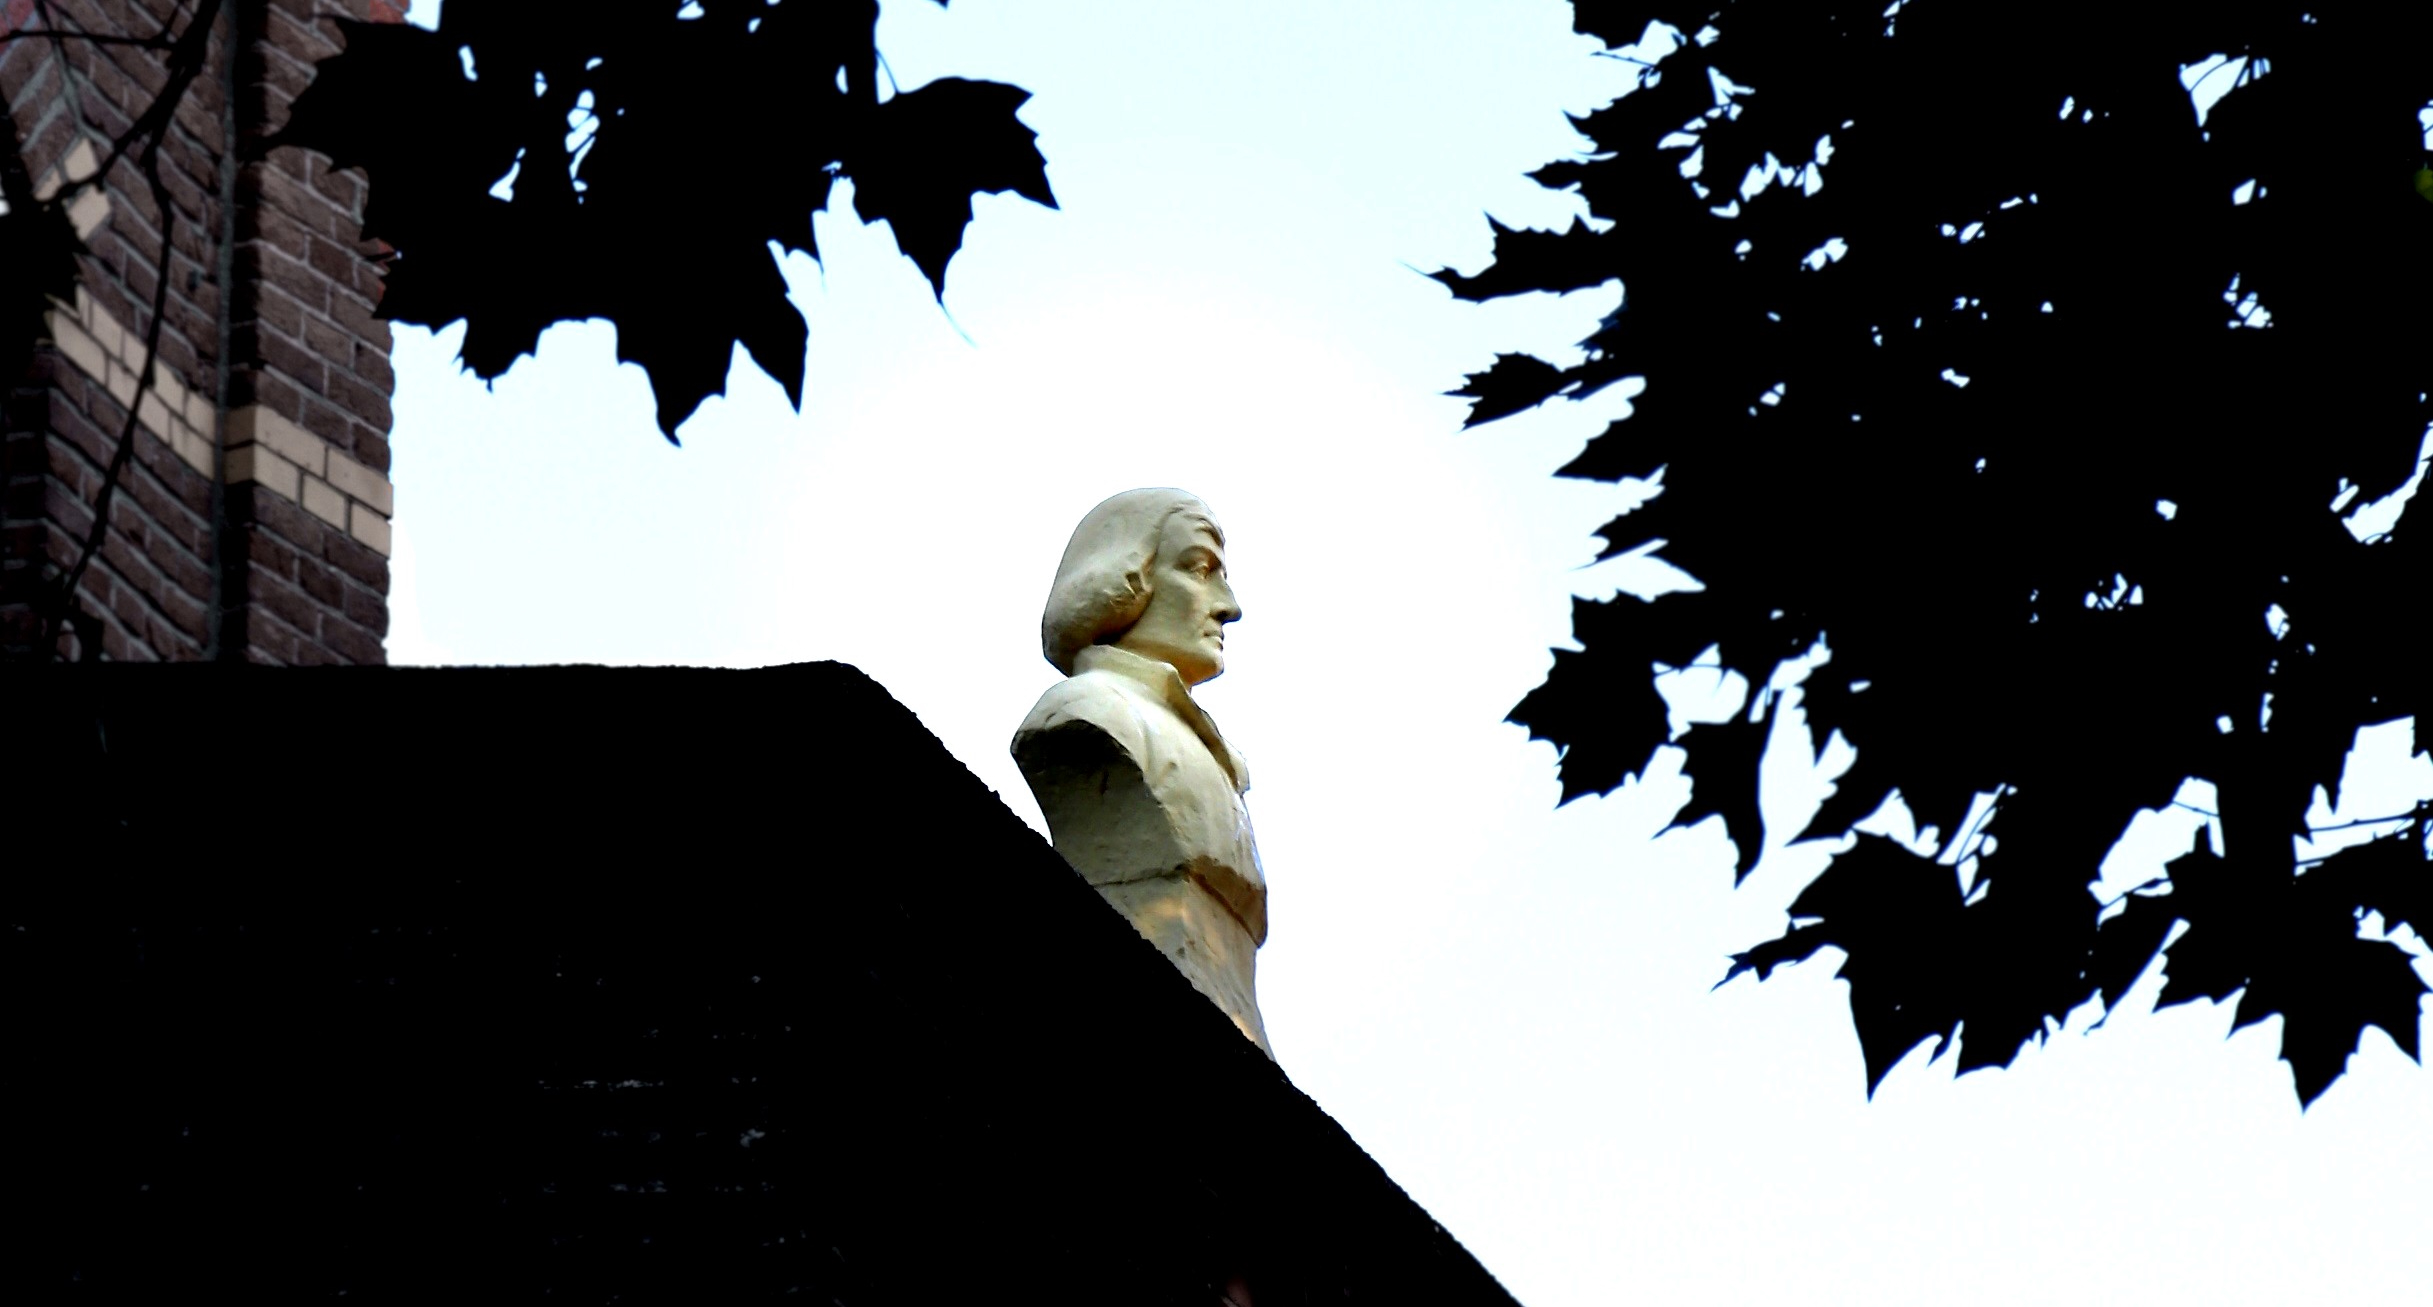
1136 591
1125 603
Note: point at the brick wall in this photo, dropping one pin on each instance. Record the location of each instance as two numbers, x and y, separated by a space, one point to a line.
252 521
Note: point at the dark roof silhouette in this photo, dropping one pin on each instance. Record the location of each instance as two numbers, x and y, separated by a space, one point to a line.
615 984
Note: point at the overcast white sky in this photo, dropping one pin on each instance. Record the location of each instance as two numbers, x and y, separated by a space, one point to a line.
1508 1005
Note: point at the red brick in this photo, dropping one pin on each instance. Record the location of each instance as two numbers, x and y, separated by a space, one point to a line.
342 187
372 450
335 347
135 609
135 218
85 15
268 640
111 297
324 586
285 354
373 368
113 83
367 610
203 297
187 485
276 393
128 606
335 261
189 321
299 35
143 68
353 644
270 556
292 524
278 71
144 487
196 245
176 355
278 308
369 280
198 115
286 603
84 435
287 200
272 264
69 511
65 542
177 630
179 531
137 276
180 500
15 69
368 405
106 118
359 561
186 575
328 421
257 238
50 140
355 317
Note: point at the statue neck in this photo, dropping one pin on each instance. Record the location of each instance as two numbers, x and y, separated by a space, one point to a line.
1166 684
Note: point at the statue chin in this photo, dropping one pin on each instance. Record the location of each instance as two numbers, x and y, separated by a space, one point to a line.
1194 665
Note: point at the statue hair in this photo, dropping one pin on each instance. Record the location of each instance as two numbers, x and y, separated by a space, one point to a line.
1102 584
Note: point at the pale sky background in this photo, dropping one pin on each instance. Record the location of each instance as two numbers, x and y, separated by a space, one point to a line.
1510 1006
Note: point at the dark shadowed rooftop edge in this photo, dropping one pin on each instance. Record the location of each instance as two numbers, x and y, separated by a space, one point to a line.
614 984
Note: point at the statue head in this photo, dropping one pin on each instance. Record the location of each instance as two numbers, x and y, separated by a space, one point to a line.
1145 571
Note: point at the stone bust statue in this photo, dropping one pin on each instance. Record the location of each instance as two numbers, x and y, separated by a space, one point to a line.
1142 794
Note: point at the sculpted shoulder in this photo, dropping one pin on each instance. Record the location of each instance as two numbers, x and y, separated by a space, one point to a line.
1099 699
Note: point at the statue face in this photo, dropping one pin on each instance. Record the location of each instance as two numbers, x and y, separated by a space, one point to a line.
1190 601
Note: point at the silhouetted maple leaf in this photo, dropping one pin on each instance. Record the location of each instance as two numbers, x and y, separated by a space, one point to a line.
1972 353
928 151
1896 917
2290 946
1527 261
1603 731
1516 382
1722 767
634 162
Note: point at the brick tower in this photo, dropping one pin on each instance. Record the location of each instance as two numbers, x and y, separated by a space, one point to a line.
250 519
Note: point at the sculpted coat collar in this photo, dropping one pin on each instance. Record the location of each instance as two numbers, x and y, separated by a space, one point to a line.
1166 684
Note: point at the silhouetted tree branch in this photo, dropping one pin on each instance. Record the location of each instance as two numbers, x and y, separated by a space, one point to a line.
1979 359
551 171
